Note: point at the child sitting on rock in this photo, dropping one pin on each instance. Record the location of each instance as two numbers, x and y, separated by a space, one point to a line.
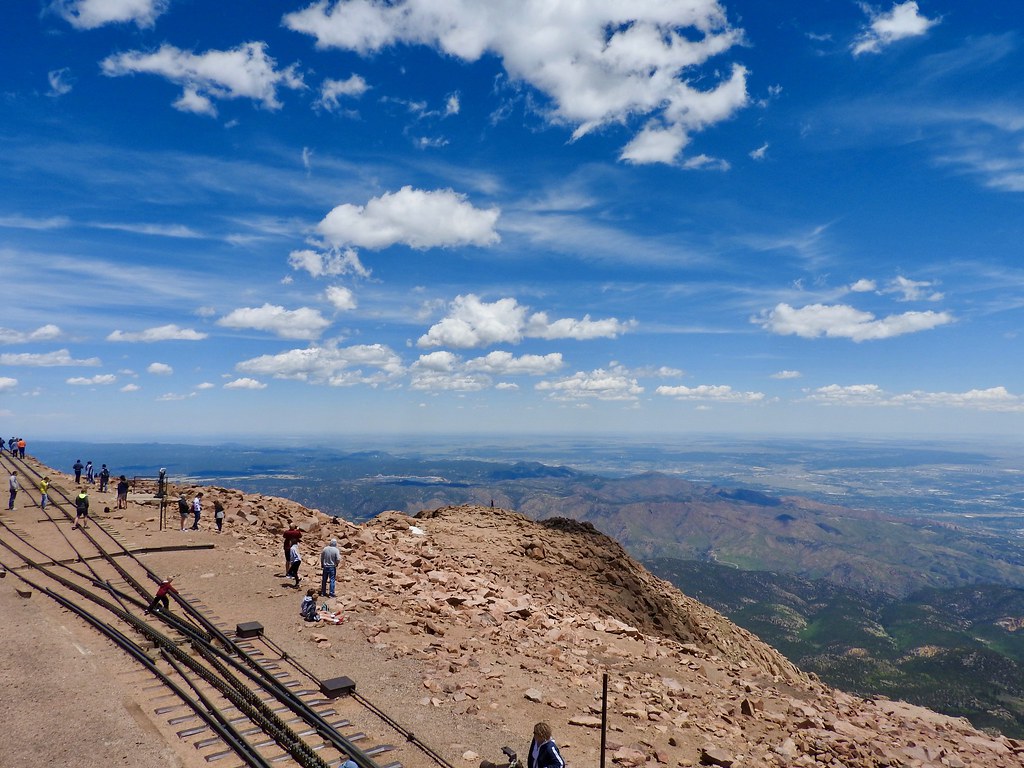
308 609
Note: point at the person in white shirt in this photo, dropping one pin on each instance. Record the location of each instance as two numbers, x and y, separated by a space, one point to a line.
197 510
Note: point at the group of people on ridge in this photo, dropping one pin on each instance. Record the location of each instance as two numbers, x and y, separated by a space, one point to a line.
330 559
16 445
195 508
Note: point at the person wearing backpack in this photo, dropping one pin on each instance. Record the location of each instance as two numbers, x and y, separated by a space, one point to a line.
81 510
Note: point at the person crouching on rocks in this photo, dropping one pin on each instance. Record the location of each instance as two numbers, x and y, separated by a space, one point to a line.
294 561
308 609
543 750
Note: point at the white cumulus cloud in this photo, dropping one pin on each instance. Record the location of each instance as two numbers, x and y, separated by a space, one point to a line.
245 72
130 388
596 63
613 384
846 322
414 217
884 29
159 369
783 375
42 333
160 333
90 14
245 383
337 366
302 323
81 381
341 298
500 363
719 393
331 91
6 383
60 357
997 399
863 286
474 323
331 263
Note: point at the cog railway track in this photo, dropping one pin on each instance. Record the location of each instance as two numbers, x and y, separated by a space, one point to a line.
240 701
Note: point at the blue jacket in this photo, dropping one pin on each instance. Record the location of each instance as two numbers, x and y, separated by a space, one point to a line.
548 756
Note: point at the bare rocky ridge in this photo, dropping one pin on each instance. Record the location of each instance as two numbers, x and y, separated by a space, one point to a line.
469 624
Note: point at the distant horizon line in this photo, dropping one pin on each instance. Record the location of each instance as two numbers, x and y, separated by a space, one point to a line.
267 440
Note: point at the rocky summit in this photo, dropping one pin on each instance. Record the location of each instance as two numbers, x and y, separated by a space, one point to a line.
488 621
494 606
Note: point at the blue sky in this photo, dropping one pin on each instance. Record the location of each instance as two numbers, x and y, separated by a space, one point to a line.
646 216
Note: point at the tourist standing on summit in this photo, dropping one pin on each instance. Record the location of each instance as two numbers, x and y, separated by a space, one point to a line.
44 490
88 472
543 750
104 478
78 467
81 510
21 447
294 561
122 492
197 510
183 509
12 483
330 557
218 515
292 536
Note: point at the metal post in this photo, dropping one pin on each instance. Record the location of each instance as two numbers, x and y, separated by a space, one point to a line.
604 714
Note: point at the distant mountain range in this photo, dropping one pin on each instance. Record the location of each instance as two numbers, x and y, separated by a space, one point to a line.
908 607
958 651
654 515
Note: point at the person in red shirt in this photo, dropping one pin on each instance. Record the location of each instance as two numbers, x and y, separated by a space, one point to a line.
161 597
292 536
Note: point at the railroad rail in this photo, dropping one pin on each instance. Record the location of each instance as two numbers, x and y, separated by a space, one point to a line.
238 699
